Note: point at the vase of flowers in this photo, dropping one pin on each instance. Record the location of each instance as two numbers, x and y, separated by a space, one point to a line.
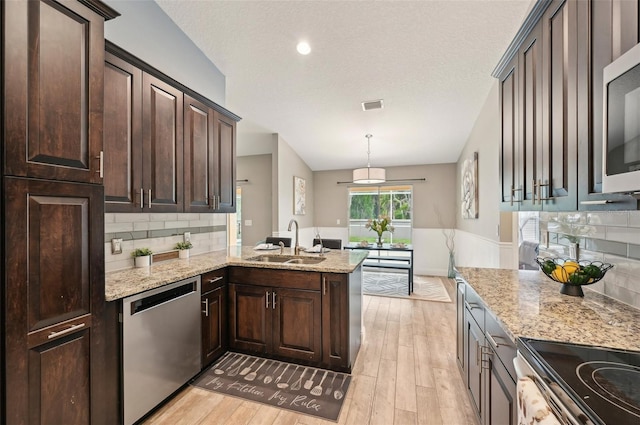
380 225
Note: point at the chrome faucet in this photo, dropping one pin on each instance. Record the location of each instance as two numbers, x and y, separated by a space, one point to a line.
281 247
296 249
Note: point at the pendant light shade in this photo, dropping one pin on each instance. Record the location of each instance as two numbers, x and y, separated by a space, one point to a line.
369 175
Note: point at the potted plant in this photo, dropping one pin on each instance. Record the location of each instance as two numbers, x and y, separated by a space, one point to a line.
142 257
183 249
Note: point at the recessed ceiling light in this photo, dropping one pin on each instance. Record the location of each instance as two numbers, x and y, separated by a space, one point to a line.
303 48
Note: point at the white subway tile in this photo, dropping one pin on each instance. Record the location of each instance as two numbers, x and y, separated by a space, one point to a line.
634 218
163 216
131 217
109 218
118 227
609 218
623 234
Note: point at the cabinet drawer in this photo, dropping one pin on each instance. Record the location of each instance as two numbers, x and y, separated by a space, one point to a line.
292 279
474 304
213 279
500 342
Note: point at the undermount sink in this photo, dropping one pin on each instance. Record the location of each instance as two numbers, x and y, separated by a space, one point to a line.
287 259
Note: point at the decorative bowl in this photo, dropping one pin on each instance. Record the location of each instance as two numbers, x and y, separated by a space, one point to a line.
573 274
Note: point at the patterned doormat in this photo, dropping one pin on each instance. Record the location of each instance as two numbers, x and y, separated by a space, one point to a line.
308 390
428 288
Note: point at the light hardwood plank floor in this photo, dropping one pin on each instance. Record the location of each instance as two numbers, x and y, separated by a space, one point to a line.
406 373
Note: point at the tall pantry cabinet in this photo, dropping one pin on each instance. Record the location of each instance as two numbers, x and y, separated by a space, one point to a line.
52 292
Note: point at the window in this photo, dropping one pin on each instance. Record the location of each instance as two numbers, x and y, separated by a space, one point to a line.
375 201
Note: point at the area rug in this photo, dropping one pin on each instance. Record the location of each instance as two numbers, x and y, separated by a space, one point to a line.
428 288
308 390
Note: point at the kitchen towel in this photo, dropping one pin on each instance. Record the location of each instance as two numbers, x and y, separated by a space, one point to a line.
533 409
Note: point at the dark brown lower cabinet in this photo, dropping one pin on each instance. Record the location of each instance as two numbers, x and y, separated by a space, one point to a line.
280 321
335 321
214 316
486 364
500 389
54 303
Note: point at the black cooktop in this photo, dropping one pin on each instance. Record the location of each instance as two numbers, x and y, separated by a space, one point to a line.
603 382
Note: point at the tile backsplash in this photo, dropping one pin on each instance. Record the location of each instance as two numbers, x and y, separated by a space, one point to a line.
610 237
160 232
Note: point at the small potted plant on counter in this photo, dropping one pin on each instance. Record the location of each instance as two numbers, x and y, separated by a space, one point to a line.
183 249
142 257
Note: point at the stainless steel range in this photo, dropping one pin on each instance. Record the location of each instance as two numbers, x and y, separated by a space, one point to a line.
584 384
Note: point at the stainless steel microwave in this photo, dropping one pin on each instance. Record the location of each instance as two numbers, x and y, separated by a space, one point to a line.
621 147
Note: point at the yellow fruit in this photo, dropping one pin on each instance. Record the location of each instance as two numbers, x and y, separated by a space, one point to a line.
560 274
570 267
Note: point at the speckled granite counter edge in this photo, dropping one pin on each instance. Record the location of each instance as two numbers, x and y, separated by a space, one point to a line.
124 283
528 304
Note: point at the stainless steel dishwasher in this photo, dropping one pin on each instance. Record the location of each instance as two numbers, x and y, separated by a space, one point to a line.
161 344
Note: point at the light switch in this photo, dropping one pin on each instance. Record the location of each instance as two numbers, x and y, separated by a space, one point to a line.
338 221
248 222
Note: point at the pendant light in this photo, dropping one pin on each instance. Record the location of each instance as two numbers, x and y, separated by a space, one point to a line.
369 175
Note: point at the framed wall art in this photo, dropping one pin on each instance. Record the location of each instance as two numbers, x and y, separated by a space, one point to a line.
470 187
299 195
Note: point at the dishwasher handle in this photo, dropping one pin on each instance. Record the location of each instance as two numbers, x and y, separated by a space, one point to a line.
163 297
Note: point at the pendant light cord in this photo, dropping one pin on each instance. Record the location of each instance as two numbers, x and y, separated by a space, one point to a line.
368 136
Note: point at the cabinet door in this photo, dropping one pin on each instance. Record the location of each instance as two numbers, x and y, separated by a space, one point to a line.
460 327
214 325
53 90
199 166
250 318
297 326
500 390
607 28
558 186
529 159
54 299
122 136
511 195
225 160
162 145
475 341
335 320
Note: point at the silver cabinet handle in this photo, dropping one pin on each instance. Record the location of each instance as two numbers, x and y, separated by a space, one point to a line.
206 307
149 200
215 279
100 159
141 198
471 306
491 340
324 286
65 331
273 300
266 300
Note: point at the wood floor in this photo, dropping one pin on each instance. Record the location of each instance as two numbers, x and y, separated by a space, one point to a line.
405 373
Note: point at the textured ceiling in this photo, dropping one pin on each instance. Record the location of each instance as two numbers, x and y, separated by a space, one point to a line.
429 60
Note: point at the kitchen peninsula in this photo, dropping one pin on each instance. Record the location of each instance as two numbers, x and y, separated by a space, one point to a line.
305 309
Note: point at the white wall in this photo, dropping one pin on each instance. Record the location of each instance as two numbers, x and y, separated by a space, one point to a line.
145 31
289 164
484 242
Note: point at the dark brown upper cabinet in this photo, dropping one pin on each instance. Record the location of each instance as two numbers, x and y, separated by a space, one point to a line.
607 29
162 145
167 149
123 188
53 90
551 104
225 178
556 184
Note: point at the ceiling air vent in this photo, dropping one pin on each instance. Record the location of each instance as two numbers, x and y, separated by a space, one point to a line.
372 104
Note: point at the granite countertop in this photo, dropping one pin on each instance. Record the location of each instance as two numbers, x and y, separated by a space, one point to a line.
529 304
123 283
